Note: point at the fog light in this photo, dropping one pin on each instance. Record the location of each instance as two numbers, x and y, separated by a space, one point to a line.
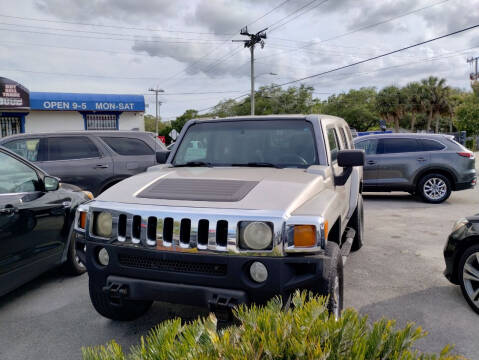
258 272
103 257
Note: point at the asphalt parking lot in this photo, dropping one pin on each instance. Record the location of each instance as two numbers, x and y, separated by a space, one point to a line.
397 274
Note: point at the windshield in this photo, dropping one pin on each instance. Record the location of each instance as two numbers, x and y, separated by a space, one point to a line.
275 143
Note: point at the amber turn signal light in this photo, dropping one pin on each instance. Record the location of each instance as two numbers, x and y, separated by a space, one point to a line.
304 236
82 222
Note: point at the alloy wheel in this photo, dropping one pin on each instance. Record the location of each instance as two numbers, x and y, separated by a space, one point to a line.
435 188
470 275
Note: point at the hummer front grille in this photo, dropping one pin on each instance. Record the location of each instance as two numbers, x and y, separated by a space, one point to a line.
184 229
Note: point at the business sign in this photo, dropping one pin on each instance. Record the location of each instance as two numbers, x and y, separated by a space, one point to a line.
86 102
13 95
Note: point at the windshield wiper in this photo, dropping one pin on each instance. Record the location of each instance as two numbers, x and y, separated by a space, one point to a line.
194 164
258 164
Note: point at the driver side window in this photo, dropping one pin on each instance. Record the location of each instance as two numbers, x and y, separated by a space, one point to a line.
16 177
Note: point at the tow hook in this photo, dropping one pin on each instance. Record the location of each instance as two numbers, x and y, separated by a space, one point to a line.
221 306
116 292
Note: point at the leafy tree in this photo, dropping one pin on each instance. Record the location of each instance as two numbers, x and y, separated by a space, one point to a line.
357 107
181 120
467 115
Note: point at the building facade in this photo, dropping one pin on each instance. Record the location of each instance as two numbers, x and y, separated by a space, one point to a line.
22 111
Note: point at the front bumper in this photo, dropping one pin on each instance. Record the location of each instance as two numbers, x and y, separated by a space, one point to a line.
200 279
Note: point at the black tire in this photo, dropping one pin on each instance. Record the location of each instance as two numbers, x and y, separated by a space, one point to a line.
127 310
469 287
333 282
73 265
443 186
357 223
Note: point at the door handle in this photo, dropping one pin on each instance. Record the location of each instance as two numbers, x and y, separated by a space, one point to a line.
421 159
371 162
101 166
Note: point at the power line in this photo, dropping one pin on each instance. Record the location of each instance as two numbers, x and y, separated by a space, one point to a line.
381 56
110 26
290 14
364 27
111 38
362 61
298 15
126 36
269 12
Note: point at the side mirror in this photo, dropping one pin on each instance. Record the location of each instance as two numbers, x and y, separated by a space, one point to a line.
51 183
350 158
162 156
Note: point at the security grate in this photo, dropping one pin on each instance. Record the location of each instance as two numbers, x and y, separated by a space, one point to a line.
9 125
151 263
101 122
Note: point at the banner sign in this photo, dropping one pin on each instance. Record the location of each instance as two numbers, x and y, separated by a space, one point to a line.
13 95
86 102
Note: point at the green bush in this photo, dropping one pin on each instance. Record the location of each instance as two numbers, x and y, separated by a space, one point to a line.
304 332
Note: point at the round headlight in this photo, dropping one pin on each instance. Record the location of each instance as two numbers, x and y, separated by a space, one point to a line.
257 235
103 224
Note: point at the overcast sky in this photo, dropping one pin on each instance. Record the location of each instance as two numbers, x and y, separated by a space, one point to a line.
184 46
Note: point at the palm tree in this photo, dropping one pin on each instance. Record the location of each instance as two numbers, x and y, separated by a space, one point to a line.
391 105
436 99
413 96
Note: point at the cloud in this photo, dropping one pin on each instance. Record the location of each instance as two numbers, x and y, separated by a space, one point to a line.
453 15
108 9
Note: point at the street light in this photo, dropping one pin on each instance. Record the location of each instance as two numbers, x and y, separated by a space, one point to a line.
156 91
270 73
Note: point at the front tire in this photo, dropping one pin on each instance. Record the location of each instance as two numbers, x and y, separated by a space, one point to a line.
468 271
127 310
333 282
434 188
73 265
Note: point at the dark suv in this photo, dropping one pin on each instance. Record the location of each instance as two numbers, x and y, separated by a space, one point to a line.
431 165
93 160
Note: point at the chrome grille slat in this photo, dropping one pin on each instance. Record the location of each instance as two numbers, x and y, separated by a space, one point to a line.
212 235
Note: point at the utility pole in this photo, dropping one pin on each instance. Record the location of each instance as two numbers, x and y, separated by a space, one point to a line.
254 39
156 91
475 75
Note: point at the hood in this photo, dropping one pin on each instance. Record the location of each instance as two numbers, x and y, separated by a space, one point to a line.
221 187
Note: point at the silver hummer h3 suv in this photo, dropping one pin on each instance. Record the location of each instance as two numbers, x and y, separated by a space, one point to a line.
244 209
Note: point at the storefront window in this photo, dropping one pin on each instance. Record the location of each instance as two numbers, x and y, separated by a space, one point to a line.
101 122
9 125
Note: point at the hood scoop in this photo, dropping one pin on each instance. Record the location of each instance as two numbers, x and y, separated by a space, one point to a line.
198 190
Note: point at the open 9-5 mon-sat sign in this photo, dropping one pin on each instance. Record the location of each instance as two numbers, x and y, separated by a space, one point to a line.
13 95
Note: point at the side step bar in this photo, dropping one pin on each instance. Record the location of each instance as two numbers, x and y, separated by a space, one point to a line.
347 243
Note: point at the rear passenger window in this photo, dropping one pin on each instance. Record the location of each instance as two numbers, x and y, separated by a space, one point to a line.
70 148
343 138
333 144
26 148
431 145
370 147
128 146
399 145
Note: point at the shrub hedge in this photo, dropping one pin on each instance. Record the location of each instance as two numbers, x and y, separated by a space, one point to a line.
306 331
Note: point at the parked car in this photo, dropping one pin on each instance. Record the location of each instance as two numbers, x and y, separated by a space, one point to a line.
245 209
430 165
36 217
92 160
461 254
